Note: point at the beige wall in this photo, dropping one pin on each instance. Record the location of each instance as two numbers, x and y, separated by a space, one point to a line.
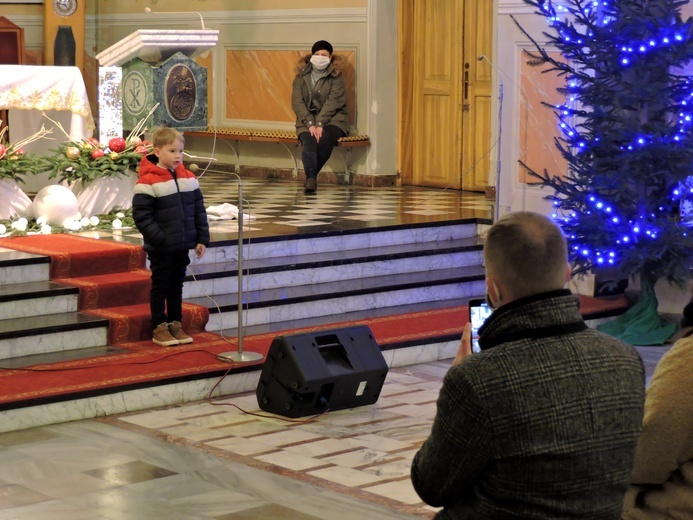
276 31
103 7
10 10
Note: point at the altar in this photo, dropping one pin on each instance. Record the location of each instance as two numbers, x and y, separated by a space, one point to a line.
27 91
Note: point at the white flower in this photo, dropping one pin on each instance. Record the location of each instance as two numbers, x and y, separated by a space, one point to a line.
3 229
117 224
41 221
46 229
120 215
19 225
72 224
94 220
85 222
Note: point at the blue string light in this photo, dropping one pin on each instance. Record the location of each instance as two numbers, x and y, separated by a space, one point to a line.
618 230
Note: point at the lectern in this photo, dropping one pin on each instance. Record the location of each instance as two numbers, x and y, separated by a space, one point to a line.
158 67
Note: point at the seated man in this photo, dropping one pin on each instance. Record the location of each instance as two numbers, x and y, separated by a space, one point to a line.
662 479
543 422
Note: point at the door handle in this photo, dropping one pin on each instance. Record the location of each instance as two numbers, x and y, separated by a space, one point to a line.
466 81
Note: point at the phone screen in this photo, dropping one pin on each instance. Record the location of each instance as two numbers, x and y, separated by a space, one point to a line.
479 311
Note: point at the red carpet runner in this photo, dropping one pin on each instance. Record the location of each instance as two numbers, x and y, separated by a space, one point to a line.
144 362
112 282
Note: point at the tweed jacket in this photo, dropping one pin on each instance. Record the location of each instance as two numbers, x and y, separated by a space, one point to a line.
169 211
542 423
324 104
662 478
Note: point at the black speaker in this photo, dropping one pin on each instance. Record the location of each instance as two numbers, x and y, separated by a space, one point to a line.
307 374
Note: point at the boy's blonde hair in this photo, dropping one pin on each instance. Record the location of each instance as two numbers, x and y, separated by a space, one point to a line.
165 135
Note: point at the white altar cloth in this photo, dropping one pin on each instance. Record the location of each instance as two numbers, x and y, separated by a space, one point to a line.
14 202
28 90
105 194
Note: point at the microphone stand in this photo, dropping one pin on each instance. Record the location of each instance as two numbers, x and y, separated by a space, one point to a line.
498 158
500 133
239 356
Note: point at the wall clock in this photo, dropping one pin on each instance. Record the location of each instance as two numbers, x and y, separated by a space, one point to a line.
64 7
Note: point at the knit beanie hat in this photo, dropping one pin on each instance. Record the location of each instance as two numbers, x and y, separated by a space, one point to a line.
321 45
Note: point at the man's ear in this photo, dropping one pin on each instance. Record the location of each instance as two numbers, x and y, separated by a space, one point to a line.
493 291
568 272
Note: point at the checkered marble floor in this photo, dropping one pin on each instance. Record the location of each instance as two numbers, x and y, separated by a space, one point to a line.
278 208
212 460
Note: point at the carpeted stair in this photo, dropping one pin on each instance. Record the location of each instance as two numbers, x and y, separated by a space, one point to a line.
112 282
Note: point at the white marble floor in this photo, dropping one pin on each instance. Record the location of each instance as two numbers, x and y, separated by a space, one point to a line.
212 460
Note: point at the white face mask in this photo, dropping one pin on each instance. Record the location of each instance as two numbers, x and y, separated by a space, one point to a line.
319 62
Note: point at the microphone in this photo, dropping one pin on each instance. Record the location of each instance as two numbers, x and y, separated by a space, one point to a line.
148 10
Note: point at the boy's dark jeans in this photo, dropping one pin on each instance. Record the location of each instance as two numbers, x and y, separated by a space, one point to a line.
166 296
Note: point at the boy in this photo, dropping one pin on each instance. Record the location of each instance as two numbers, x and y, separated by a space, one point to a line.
169 211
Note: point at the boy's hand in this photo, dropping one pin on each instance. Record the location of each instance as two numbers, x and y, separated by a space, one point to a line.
200 250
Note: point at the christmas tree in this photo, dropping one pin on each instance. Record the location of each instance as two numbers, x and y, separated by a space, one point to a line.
627 136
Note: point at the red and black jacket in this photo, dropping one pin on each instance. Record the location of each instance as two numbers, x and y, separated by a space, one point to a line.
168 208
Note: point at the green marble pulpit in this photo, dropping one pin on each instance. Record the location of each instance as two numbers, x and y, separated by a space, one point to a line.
178 85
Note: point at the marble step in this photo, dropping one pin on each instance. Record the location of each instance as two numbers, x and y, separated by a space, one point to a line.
345 240
51 333
19 267
310 269
280 327
337 298
21 300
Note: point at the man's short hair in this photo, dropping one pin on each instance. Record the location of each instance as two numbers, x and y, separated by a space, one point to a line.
165 135
527 252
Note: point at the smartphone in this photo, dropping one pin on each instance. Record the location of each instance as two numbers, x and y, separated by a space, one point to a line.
479 311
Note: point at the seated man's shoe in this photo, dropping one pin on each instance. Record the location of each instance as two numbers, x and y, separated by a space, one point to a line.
311 185
162 336
176 330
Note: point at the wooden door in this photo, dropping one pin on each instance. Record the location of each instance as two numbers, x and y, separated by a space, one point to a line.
477 148
445 93
437 117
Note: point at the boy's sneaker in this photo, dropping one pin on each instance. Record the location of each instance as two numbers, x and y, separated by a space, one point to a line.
163 337
176 330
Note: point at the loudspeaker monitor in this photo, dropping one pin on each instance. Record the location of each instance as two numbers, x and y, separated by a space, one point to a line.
307 374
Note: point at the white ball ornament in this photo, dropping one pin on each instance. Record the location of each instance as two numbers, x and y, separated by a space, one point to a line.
56 204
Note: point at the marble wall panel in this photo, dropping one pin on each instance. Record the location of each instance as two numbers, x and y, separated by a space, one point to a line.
258 84
538 124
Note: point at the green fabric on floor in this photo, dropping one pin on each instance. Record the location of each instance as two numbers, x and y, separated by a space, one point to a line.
641 324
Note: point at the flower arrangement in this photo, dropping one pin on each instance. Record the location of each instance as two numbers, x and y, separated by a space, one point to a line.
88 159
114 220
15 163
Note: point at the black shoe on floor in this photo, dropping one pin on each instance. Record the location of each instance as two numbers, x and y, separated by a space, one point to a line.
310 185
